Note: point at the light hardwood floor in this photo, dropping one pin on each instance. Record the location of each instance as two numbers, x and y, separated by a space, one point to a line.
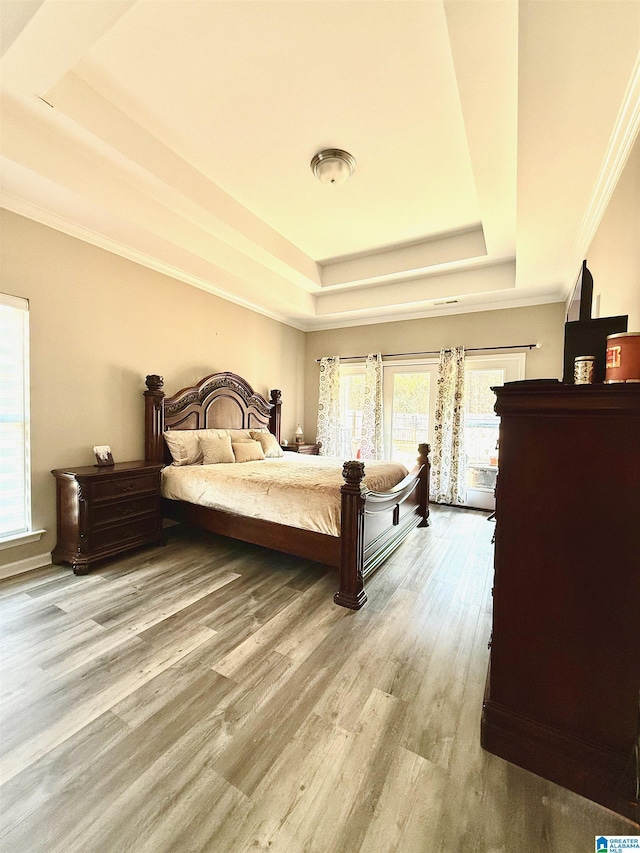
209 696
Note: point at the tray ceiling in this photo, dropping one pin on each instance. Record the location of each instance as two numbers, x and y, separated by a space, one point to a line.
488 139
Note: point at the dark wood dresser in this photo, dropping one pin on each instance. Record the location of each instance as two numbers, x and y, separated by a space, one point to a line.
105 511
563 688
309 449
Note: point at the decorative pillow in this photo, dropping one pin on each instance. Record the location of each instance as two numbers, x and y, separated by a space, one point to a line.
212 431
216 449
240 434
183 446
247 451
269 444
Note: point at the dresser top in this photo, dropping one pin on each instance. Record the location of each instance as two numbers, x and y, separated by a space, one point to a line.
547 396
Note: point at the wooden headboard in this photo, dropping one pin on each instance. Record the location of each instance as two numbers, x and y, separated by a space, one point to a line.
222 400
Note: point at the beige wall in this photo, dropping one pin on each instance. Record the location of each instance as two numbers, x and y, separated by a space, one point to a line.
99 324
614 255
543 324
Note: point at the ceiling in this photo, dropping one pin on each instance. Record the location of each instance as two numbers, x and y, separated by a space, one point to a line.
488 138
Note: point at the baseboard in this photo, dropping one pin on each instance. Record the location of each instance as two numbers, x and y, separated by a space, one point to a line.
26 565
594 771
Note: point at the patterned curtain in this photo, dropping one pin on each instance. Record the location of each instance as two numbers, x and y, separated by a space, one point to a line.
371 442
329 407
448 462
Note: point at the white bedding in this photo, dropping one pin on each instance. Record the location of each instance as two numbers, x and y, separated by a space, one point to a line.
296 490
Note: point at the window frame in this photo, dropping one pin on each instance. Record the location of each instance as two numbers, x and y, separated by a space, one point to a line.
25 533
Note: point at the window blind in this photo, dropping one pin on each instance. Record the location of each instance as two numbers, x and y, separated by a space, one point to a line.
15 498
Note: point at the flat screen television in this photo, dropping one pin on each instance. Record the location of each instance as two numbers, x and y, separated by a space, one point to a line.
579 307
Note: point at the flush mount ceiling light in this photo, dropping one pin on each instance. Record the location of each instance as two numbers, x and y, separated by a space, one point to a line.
333 166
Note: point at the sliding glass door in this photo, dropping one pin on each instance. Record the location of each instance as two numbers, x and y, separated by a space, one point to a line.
351 405
409 401
409 404
482 424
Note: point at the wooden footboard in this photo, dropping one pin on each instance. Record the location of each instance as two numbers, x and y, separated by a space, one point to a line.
373 524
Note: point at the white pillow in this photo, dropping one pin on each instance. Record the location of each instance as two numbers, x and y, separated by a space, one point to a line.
269 443
240 434
183 446
216 449
247 451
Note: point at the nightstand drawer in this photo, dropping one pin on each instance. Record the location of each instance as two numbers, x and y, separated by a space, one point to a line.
124 486
107 513
120 534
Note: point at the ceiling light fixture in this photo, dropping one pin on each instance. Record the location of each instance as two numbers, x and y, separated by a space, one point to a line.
333 166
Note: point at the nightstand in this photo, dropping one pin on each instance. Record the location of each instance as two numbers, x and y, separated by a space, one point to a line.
309 449
103 511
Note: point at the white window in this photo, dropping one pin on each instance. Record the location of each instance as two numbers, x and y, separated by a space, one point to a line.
15 497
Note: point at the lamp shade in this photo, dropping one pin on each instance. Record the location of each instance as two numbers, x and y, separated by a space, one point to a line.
333 166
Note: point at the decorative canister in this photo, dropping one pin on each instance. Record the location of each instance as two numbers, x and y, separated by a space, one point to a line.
583 369
623 357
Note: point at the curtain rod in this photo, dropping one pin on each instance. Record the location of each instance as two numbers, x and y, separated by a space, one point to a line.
437 352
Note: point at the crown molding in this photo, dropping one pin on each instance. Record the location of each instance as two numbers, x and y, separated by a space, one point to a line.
621 142
43 216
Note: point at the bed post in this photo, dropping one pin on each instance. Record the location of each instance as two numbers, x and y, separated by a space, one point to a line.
154 419
351 592
425 483
274 418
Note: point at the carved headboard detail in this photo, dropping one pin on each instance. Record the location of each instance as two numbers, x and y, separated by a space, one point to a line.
222 400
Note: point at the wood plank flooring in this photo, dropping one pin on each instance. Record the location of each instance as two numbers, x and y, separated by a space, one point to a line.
209 697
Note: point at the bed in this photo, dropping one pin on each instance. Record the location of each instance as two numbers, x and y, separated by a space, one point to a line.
371 524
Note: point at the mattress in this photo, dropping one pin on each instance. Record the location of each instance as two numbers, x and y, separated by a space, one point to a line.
295 490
